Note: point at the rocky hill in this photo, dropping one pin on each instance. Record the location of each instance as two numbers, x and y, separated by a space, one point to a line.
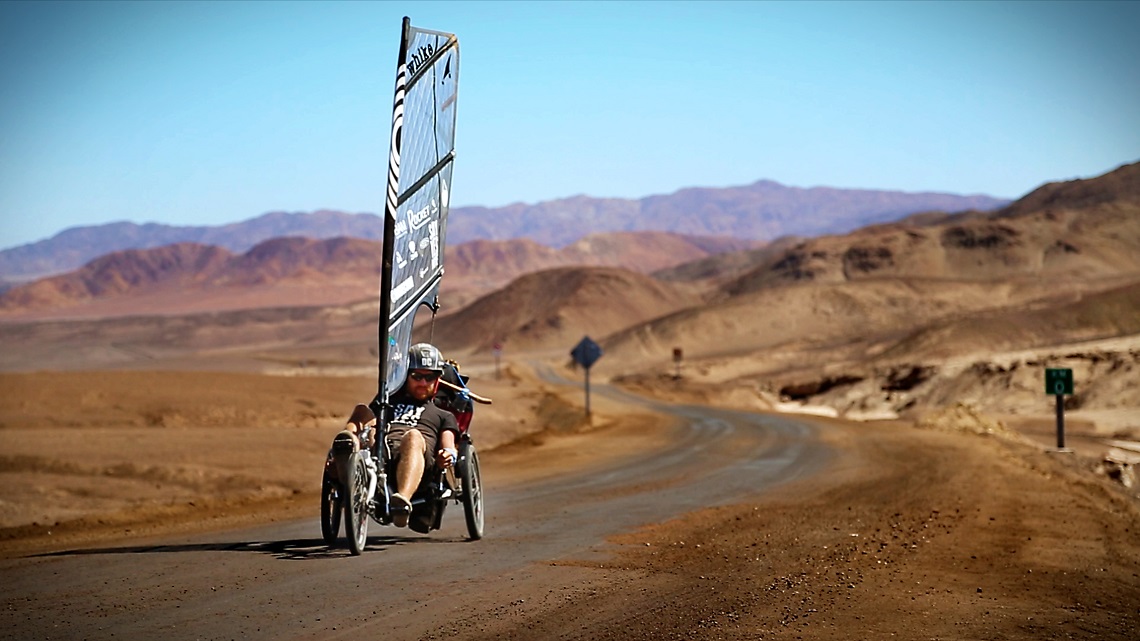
1071 237
901 316
479 266
1073 231
554 307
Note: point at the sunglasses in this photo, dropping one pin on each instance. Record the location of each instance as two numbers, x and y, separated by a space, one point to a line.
430 377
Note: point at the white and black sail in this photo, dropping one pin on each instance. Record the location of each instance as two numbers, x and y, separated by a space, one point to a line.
421 156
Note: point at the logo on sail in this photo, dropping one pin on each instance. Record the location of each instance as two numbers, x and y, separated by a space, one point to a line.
418 57
417 219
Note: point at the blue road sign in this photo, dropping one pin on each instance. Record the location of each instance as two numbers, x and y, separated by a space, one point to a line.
586 352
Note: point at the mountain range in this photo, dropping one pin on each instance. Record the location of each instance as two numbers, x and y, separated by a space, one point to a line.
764 210
296 271
929 311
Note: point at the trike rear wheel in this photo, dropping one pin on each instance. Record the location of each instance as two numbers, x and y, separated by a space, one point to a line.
472 491
332 506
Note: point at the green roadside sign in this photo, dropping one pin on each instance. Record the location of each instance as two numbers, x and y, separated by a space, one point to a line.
1058 381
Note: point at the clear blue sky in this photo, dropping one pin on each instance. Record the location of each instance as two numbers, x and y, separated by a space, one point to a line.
214 112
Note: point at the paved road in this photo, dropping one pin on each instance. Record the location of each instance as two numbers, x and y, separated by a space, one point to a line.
281 582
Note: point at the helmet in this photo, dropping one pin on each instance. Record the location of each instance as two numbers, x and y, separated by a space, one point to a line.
425 356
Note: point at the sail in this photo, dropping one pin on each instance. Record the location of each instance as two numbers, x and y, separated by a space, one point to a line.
421 156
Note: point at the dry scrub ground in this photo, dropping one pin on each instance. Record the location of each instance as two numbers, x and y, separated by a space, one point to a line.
89 456
916 534
932 533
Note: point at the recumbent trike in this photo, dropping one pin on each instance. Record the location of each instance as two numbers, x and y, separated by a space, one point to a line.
359 473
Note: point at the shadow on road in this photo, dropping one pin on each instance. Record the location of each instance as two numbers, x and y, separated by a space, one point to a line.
292 550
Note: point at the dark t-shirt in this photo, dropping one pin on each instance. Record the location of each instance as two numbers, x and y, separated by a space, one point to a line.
429 419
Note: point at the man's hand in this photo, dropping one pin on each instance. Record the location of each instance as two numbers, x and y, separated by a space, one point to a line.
446 457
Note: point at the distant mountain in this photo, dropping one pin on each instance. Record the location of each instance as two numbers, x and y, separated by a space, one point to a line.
761 211
74 247
764 210
292 271
185 270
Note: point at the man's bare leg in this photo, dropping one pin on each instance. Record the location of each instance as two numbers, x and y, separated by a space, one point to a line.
348 441
410 469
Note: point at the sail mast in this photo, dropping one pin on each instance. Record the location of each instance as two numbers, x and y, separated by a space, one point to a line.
390 209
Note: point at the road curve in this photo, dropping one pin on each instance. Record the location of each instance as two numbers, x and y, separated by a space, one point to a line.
281 582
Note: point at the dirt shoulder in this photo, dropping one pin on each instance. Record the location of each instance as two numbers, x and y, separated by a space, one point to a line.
914 533
935 535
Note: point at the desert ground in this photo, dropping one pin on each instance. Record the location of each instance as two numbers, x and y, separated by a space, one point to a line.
955 526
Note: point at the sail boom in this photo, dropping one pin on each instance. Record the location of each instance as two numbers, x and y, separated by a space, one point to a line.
402 310
431 173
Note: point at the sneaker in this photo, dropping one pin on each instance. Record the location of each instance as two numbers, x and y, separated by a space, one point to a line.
401 509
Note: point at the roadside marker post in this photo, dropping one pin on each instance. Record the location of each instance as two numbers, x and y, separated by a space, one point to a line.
1059 382
678 356
586 353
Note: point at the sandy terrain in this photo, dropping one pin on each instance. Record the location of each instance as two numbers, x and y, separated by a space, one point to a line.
958 530
90 455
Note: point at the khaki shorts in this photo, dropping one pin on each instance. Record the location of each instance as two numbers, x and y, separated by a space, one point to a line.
396 434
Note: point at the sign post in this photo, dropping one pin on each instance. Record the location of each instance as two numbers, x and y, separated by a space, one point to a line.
586 353
1059 382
